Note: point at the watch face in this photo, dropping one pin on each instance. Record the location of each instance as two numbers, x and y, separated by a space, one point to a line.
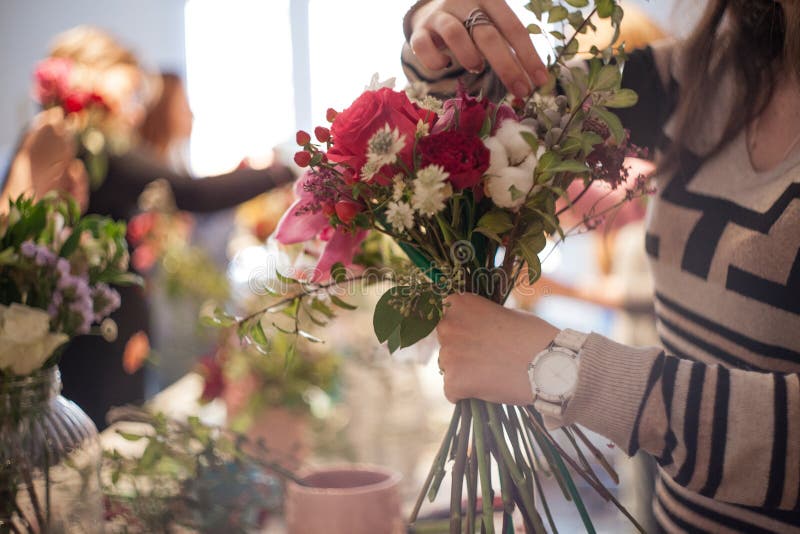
555 373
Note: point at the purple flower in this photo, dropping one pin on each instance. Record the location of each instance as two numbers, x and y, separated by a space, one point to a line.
44 256
28 249
106 301
57 299
83 309
63 267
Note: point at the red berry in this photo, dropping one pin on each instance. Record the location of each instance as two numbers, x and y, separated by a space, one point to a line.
346 210
302 158
303 138
331 114
327 209
322 134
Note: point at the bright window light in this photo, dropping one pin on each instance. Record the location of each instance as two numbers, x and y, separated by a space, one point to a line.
239 70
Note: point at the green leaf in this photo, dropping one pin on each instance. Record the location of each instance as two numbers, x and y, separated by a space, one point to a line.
570 165
129 435
339 271
570 51
258 335
558 35
624 98
310 337
607 79
612 121
534 29
342 304
577 3
285 279
496 221
324 309
386 318
531 139
604 8
556 14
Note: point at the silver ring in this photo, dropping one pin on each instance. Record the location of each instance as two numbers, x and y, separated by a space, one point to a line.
477 17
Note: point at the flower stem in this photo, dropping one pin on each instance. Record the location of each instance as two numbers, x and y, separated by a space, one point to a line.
457 477
483 468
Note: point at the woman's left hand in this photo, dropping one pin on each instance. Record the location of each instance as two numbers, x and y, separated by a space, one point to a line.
486 349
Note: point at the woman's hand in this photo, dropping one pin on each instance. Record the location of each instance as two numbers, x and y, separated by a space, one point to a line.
505 44
486 349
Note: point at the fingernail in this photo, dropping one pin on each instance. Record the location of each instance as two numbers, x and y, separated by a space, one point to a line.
521 89
541 77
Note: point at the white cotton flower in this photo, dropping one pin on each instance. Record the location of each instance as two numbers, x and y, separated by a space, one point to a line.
25 339
384 146
498 157
400 215
398 187
431 190
509 187
510 134
529 163
375 83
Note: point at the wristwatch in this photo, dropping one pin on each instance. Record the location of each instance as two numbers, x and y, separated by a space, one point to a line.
553 373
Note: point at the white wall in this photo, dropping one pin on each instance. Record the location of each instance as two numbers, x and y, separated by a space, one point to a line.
153 28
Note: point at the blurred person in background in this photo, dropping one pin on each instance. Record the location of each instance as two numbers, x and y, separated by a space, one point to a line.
46 161
93 373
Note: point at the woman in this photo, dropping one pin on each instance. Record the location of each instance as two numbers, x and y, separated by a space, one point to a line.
92 369
719 408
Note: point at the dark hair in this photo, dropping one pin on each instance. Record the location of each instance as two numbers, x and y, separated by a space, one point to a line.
156 130
756 40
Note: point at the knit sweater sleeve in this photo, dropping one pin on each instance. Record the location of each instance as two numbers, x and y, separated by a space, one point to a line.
703 423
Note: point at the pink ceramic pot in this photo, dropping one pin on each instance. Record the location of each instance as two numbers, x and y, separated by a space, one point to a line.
345 499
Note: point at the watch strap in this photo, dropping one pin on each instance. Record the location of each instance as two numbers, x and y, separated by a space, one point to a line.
570 339
548 408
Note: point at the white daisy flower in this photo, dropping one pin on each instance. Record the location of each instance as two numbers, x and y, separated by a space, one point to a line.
369 170
384 146
400 215
431 190
509 187
423 129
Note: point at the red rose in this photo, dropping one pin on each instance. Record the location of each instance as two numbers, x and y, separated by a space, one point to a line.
467 114
353 127
75 102
463 156
51 80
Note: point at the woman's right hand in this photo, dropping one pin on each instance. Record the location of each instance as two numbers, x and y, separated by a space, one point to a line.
506 44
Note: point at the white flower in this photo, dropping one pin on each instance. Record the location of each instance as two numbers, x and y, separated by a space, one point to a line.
423 129
368 171
383 147
498 157
509 187
400 215
375 83
510 134
529 163
25 339
430 190
398 187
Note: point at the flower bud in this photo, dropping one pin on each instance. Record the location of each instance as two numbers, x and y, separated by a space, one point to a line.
303 138
331 114
322 134
302 158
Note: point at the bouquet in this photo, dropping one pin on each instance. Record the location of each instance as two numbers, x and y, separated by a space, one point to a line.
467 189
59 83
56 272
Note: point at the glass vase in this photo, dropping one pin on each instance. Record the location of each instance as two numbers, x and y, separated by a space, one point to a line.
50 457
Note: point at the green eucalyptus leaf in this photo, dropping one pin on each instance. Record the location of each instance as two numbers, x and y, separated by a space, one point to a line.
605 8
386 318
577 3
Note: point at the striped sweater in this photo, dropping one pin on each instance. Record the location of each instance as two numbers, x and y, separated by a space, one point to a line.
718 404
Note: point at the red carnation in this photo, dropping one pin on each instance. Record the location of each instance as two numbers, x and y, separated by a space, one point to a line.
463 156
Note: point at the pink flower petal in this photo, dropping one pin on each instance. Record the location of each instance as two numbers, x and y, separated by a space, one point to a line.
341 248
296 228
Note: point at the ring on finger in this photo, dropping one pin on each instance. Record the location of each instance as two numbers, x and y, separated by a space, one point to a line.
477 17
